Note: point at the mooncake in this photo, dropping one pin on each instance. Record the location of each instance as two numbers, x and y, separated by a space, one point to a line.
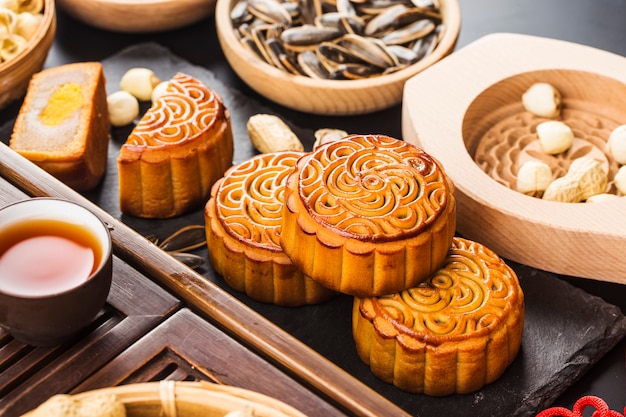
176 152
454 333
63 124
368 215
243 225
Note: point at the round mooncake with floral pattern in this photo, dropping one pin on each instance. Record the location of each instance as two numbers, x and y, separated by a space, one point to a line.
454 333
368 215
243 225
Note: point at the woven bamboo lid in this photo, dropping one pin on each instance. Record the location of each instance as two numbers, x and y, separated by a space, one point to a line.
189 399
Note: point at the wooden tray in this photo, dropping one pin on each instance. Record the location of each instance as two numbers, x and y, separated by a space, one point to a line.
143 334
167 354
314 343
448 109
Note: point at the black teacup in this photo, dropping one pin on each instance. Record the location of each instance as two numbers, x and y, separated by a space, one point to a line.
55 269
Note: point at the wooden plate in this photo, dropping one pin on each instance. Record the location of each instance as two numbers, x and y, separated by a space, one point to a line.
450 108
138 16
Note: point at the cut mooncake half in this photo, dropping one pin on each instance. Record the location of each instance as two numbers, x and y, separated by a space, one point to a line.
63 124
179 148
243 225
454 333
368 215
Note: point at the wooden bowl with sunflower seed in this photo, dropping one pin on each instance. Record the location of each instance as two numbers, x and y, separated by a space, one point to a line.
335 57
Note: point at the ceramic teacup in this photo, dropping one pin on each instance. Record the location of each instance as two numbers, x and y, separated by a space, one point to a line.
55 269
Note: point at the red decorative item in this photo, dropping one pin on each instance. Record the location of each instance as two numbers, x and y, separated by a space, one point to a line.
602 409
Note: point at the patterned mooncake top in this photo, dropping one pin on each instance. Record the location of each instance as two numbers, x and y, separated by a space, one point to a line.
187 109
473 292
249 200
373 188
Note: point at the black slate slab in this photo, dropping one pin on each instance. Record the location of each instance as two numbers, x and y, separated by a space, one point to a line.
566 330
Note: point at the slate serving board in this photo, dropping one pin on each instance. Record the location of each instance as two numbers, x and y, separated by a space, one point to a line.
566 330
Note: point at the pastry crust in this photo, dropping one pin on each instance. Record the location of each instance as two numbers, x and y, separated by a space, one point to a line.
455 333
179 148
368 215
242 220
63 124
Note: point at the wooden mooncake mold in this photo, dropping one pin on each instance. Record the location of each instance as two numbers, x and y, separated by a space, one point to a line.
480 132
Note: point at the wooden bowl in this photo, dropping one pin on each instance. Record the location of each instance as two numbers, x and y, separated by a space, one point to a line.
138 16
467 112
323 96
16 72
190 399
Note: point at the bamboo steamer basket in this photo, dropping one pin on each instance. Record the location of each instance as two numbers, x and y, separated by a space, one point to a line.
191 399
15 73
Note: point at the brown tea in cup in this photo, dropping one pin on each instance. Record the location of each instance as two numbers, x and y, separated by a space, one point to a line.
46 256
55 269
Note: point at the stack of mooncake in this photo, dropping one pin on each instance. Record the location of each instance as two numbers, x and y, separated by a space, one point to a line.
372 217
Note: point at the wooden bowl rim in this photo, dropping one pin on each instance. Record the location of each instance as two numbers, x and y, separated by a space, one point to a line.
141 4
181 12
450 9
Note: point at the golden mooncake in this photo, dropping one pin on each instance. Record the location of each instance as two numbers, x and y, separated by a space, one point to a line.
242 220
176 152
368 215
63 124
454 333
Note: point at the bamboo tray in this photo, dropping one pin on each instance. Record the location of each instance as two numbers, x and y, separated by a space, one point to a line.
314 343
480 86
190 399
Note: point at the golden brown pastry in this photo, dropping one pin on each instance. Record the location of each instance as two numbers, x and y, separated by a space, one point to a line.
455 333
63 124
368 215
242 220
179 148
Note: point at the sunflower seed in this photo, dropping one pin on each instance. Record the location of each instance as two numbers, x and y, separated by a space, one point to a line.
339 39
